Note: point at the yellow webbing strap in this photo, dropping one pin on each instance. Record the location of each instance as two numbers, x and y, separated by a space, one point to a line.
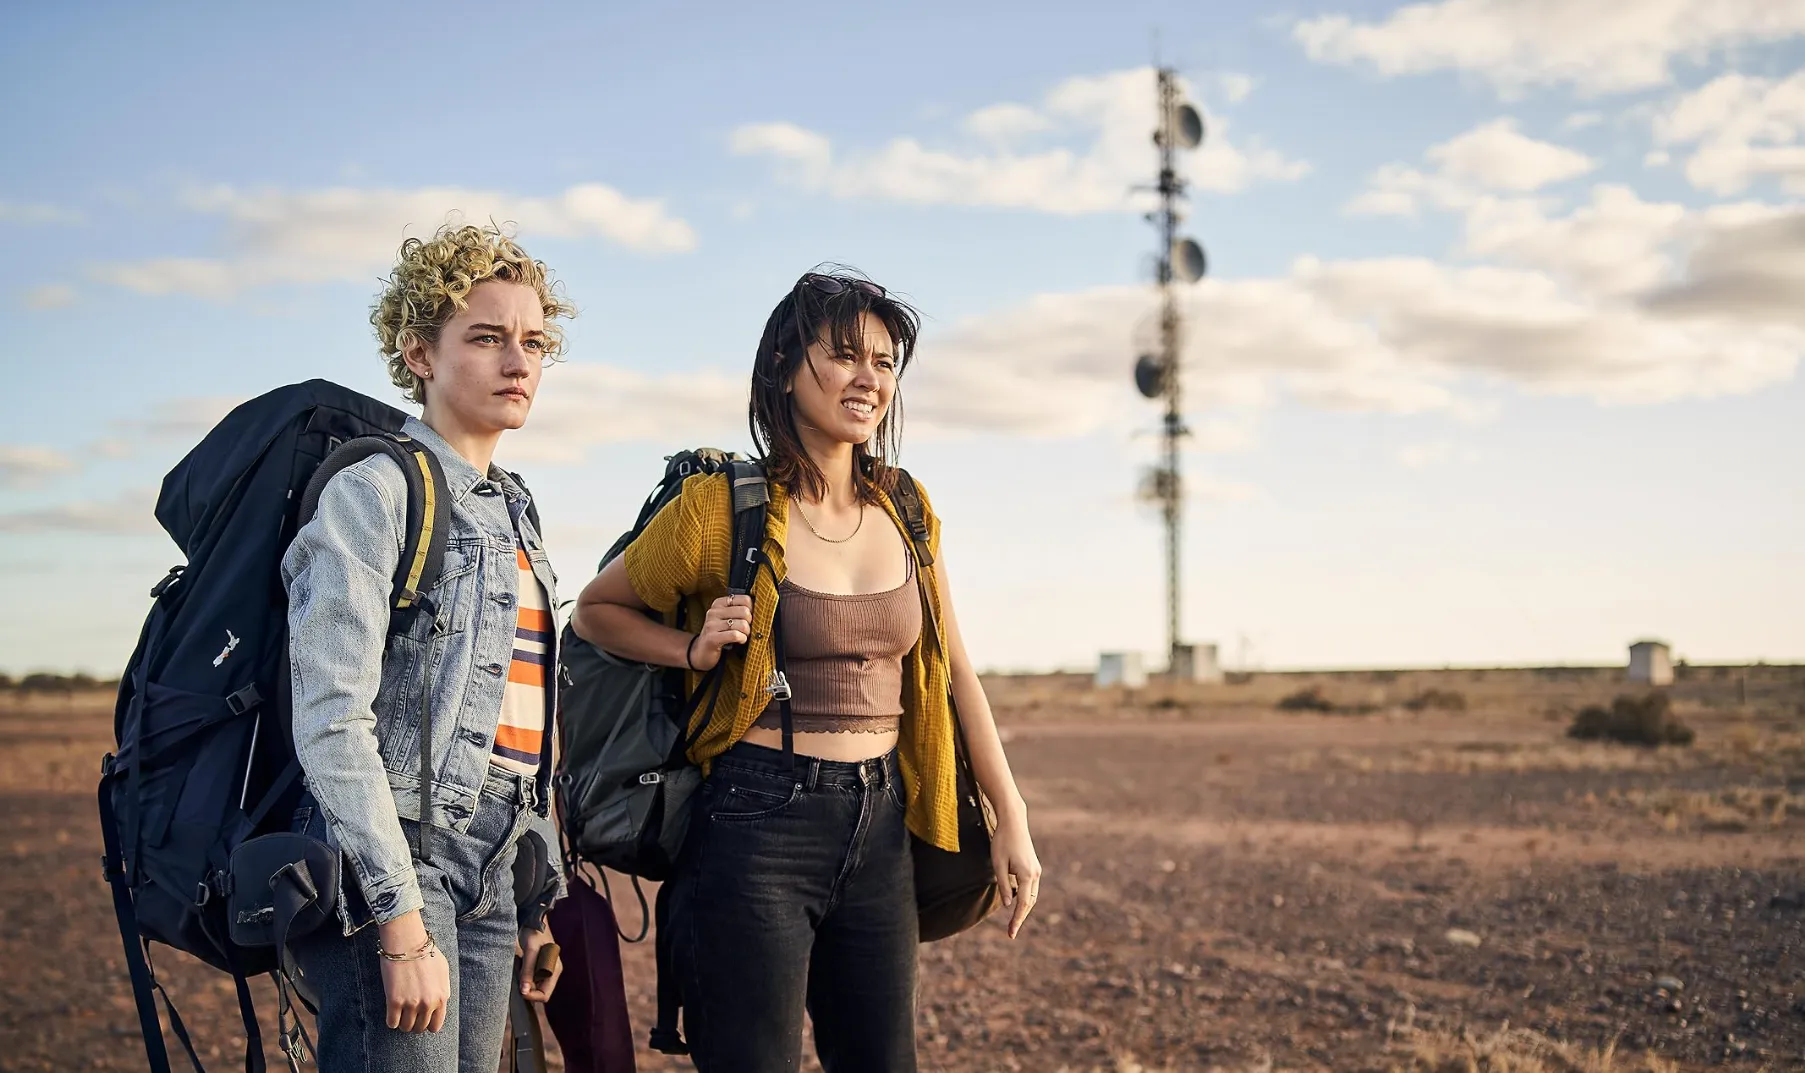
418 567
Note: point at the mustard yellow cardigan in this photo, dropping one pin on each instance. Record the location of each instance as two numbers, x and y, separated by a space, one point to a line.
681 558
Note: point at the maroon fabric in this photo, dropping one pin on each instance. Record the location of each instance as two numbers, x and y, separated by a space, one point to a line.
588 1011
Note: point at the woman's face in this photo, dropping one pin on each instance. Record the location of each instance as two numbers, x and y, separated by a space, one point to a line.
844 395
484 370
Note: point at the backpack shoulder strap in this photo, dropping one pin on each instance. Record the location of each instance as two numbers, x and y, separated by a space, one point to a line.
422 561
906 495
751 502
428 509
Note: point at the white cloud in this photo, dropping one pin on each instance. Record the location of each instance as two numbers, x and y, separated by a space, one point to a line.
1235 87
37 214
1493 156
349 234
1006 122
1079 151
1203 489
23 465
582 405
1519 44
1496 156
130 512
1582 308
1614 245
50 296
1746 264
181 417
1742 129
1424 455
1582 121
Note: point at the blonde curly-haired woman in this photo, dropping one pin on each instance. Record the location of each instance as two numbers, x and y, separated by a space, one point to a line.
416 974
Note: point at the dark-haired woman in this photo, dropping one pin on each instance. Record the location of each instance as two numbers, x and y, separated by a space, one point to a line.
795 891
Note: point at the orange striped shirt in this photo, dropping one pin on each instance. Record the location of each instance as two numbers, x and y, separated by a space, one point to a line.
520 735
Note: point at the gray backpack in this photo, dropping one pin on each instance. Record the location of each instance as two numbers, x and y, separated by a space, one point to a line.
626 783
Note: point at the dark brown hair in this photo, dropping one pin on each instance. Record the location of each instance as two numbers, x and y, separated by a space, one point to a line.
807 315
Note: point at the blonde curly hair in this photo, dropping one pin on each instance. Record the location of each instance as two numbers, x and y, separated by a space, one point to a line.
432 281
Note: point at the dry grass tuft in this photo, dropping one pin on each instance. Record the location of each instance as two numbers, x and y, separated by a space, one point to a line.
1440 700
1727 811
1518 1050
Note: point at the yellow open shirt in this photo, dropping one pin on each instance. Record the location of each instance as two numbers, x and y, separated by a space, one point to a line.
681 558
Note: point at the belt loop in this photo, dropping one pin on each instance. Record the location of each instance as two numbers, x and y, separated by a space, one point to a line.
812 776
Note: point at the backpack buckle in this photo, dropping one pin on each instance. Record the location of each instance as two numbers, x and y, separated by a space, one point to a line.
161 587
244 700
651 778
779 686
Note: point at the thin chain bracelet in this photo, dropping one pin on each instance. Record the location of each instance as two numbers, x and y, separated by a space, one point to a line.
428 949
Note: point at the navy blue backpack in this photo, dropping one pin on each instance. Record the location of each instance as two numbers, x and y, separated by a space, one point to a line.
205 757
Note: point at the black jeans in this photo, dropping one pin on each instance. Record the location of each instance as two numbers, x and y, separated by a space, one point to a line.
796 891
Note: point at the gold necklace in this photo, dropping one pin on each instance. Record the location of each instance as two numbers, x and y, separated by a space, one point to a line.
817 532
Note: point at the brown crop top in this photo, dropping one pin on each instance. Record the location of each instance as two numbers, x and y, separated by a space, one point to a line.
843 657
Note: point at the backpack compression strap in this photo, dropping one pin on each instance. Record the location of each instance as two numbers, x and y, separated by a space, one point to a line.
906 495
422 561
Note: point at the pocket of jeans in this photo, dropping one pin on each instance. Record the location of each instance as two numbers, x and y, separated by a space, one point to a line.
898 793
735 801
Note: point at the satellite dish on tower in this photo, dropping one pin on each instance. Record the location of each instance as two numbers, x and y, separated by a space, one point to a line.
1188 262
1150 376
1188 126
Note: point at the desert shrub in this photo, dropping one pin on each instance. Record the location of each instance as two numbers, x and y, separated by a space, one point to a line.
1381 677
1306 700
1632 720
41 682
1444 700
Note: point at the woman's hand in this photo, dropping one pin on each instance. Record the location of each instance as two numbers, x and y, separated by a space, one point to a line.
529 946
418 991
729 622
1017 868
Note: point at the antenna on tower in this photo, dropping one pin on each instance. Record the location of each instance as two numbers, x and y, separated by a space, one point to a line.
1181 260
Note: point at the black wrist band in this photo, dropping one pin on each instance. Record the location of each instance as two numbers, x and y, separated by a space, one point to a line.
689 652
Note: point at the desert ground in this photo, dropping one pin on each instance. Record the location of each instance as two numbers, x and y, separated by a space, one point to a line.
1415 880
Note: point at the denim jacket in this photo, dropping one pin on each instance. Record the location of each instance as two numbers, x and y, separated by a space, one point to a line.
357 688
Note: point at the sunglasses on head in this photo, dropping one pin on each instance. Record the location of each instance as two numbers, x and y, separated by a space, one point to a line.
836 284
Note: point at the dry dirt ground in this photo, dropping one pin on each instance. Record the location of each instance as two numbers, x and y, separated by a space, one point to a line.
1228 886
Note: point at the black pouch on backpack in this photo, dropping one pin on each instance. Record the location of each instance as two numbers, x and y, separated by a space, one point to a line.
283 886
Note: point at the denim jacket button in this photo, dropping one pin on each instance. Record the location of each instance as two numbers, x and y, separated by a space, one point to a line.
505 599
494 669
475 737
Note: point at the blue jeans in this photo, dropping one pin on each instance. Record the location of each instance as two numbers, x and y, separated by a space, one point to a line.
468 889
796 892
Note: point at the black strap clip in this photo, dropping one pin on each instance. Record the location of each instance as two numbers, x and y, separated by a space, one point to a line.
244 700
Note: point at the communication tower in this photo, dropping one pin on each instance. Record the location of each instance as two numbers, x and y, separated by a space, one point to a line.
1181 260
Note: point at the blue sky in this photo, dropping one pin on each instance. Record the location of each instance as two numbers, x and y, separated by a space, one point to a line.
1497 362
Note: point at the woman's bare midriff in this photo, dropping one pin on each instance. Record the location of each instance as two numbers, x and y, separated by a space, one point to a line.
849 746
